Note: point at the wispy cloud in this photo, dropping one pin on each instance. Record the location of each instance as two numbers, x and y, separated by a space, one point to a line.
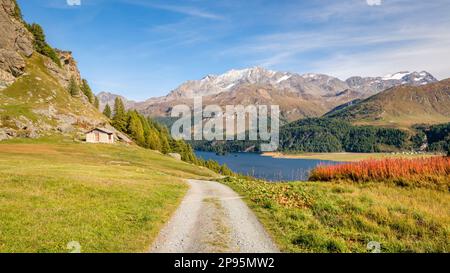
191 11
177 8
368 42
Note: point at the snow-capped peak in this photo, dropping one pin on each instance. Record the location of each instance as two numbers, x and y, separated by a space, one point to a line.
396 76
310 76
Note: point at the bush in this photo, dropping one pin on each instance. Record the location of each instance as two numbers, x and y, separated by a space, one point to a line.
424 172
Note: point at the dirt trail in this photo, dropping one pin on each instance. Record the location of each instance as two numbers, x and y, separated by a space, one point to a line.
213 218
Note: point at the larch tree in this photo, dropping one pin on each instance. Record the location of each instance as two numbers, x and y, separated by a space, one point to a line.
96 103
120 117
107 111
87 91
73 88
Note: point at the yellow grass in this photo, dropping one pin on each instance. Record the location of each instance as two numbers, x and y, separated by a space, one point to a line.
109 198
345 157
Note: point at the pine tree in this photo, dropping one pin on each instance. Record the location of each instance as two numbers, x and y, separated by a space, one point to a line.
165 147
135 129
87 91
107 111
40 43
120 119
153 141
96 103
73 88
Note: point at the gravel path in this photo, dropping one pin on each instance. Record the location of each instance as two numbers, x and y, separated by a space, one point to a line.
213 219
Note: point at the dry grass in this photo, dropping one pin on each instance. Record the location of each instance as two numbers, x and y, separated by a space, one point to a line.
109 198
345 217
425 172
346 157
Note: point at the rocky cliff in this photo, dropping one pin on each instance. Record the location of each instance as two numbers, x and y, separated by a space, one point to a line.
16 43
34 99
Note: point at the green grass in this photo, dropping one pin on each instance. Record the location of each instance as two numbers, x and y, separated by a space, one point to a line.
109 198
345 217
37 89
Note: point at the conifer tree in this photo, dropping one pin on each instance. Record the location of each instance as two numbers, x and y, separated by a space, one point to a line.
40 43
165 146
107 111
120 117
73 88
96 103
87 91
135 128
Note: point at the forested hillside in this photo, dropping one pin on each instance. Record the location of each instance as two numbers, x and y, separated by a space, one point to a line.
152 135
325 135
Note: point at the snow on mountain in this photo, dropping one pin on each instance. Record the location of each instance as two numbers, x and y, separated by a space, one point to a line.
310 83
396 76
284 78
298 96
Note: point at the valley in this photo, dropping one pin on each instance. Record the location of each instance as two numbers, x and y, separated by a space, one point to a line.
363 160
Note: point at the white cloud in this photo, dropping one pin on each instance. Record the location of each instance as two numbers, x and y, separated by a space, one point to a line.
392 41
374 2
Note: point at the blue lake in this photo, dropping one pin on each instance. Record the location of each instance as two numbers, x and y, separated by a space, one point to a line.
265 167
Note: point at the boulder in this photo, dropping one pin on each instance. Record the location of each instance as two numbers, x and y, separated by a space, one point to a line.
175 155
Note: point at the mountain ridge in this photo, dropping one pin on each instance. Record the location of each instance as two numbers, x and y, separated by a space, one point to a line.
299 95
401 106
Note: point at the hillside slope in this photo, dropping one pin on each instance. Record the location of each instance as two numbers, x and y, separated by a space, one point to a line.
108 198
401 106
34 89
37 104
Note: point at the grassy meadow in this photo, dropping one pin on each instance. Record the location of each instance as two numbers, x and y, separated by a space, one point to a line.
109 198
345 217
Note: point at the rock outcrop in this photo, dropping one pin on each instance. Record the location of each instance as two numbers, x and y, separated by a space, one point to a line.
16 43
67 70
38 103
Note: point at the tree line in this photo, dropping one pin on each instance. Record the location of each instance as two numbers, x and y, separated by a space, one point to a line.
332 135
435 138
322 135
152 135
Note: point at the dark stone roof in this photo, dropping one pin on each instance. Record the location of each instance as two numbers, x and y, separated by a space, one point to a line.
103 130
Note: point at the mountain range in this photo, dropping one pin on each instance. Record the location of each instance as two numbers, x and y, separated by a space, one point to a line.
401 106
35 100
299 96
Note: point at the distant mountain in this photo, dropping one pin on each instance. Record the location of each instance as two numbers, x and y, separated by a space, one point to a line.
109 98
299 96
401 106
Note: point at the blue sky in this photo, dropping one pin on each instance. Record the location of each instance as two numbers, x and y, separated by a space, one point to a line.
146 48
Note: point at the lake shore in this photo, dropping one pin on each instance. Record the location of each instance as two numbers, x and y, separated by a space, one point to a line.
343 157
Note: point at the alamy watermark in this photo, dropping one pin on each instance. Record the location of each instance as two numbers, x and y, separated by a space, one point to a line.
73 2
235 122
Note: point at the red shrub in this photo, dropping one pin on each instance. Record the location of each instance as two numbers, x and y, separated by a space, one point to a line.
417 170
